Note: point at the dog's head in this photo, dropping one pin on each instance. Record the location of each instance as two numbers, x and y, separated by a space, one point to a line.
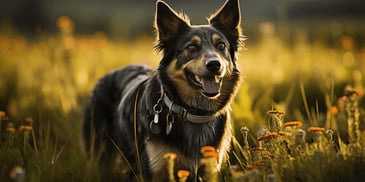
199 62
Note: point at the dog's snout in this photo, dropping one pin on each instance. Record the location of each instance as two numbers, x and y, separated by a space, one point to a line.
213 66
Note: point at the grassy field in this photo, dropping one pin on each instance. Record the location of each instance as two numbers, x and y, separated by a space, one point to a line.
293 119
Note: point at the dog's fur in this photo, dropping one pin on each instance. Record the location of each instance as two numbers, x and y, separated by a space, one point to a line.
198 72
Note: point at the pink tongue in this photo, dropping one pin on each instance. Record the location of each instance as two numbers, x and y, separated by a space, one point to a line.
211 86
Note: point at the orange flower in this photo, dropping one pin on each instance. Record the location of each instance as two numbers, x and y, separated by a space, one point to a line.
347 42
313 128
2 114
211 155
358 92
334 110
65 23
205 149
269 136
170 155
10 129
29 120
351 91
17 173
293 123
25 128
183 173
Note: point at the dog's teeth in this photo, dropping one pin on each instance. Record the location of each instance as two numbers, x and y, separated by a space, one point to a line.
217 79
198 79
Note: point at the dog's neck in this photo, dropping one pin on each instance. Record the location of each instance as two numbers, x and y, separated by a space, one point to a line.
175 109
182 112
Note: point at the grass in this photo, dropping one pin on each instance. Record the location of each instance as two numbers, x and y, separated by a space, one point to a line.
47 80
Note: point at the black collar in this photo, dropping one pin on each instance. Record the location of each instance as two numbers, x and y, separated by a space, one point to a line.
182 112
179 110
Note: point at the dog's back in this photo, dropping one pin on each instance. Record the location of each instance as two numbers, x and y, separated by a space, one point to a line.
99 126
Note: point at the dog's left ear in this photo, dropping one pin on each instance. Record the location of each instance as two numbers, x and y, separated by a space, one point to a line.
227 20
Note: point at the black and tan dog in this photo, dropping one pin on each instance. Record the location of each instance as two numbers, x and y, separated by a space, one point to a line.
179 108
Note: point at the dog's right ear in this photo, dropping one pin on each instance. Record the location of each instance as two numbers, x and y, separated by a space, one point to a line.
168 24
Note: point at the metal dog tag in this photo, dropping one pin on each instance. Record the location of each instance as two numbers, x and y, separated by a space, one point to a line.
168 127
155 128
169 122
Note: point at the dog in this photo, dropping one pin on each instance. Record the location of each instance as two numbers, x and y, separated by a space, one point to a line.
139 114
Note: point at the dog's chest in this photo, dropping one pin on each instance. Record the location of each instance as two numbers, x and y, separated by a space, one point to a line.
157 157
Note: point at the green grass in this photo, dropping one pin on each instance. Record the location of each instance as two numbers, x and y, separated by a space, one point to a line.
50 77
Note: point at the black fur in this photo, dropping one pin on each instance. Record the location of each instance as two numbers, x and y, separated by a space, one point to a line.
121 107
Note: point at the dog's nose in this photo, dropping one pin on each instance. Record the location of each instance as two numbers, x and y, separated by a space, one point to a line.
213 66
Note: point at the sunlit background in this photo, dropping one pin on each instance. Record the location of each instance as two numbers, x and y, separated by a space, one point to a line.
298 52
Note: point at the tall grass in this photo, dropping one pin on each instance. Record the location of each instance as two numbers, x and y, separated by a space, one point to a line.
49 78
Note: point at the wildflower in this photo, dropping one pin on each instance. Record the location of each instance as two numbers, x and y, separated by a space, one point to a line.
329 134
65 24
205 149
183 175
352 91
347 42
263 132
170 157
25 128
259 153
282 133
244 130
300 137
261 162
275 120
2 114
313 128
293 124
211 155
351 105
334 110
17 174
268 136
10 128
29 120
209 166
319 139
273 111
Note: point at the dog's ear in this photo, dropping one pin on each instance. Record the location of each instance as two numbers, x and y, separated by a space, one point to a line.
168 24
227 20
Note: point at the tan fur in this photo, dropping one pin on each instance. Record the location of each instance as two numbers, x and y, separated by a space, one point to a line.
215 38
196 39
156 152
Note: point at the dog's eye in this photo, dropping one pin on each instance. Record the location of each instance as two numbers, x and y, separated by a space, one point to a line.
221 46
192 48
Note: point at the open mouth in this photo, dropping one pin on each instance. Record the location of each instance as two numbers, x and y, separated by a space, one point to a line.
208 86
